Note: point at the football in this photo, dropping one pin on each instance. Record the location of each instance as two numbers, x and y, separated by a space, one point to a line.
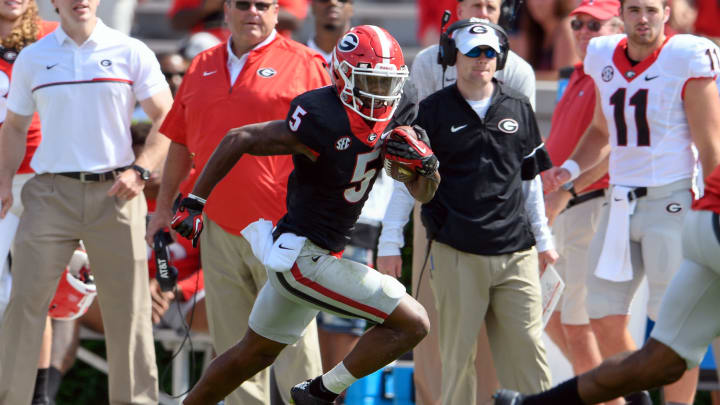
399 171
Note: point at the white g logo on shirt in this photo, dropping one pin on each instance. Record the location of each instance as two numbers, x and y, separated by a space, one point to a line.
4 89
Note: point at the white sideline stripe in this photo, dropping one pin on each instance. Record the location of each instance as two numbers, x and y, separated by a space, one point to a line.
542 144
385 42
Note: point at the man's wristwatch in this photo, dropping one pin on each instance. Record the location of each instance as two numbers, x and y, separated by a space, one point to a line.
144 173
570 188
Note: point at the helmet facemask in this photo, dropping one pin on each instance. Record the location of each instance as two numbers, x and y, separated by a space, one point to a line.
372 92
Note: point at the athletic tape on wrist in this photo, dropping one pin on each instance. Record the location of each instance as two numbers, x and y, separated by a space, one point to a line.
196 198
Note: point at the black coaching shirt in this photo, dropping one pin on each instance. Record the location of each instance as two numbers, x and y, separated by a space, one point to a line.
479 205
325 197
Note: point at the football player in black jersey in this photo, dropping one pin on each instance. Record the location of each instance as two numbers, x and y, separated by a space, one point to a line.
336 136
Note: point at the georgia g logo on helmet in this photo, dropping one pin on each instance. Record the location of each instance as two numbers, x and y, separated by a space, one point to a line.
348 43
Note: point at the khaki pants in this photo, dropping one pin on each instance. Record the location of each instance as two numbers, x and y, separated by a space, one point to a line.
504 290
233 279
573 231
426 355
59 212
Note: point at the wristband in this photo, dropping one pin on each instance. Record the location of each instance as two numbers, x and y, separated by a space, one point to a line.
572 167
196 198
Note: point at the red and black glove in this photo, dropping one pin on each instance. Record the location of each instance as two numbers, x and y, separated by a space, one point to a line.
412 151
188 220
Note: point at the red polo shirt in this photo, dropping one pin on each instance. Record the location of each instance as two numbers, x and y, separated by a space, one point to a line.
33 135
711 199
206 107
571 118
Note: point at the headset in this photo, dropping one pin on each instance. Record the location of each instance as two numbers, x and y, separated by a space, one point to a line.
447 51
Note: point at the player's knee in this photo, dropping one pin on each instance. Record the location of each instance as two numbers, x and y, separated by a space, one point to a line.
663 365
421 323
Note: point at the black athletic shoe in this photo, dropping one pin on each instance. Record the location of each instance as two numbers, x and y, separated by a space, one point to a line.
639 398
302 396
508 397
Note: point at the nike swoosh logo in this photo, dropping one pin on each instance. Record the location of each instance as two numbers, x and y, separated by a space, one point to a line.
648 78
617 199
455 129
209 73
48 67
283 247
315 258
198 223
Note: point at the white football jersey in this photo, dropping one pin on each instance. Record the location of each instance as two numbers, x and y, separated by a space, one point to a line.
643 106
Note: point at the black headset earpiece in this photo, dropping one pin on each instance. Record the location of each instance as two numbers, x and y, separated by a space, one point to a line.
447 51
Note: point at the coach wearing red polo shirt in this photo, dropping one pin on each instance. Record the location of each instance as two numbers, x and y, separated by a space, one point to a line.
250 78
582 200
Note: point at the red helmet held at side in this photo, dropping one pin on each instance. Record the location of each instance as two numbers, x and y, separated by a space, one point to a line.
76 290
369 72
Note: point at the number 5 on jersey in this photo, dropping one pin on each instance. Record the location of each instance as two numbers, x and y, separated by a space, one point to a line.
361 175
296 118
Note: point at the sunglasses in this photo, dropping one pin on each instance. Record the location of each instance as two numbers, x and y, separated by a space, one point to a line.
592 25
477 51
243 5
339 1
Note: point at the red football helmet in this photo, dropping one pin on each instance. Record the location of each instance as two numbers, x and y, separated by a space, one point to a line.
76 290
369 72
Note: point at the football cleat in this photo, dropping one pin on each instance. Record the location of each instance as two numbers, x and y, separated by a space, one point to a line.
301 395
508 397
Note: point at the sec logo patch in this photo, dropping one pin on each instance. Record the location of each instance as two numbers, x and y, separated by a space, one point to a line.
266 72
343 143
607 73
508 125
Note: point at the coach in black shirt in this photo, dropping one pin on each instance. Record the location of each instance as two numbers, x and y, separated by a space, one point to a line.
483 258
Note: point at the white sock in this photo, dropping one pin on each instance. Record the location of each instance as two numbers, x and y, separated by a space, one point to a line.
338 379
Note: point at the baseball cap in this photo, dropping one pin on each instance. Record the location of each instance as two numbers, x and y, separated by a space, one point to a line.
476 35
600 9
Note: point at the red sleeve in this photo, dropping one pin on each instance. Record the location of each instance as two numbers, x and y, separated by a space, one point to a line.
47 27
191 285
318 75
174 126
178 5
298 8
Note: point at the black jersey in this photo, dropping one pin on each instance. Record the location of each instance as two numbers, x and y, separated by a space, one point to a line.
325 197
479 205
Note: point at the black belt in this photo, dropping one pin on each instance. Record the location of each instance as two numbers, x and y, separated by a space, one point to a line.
586 197
716 225
638 192
87 177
